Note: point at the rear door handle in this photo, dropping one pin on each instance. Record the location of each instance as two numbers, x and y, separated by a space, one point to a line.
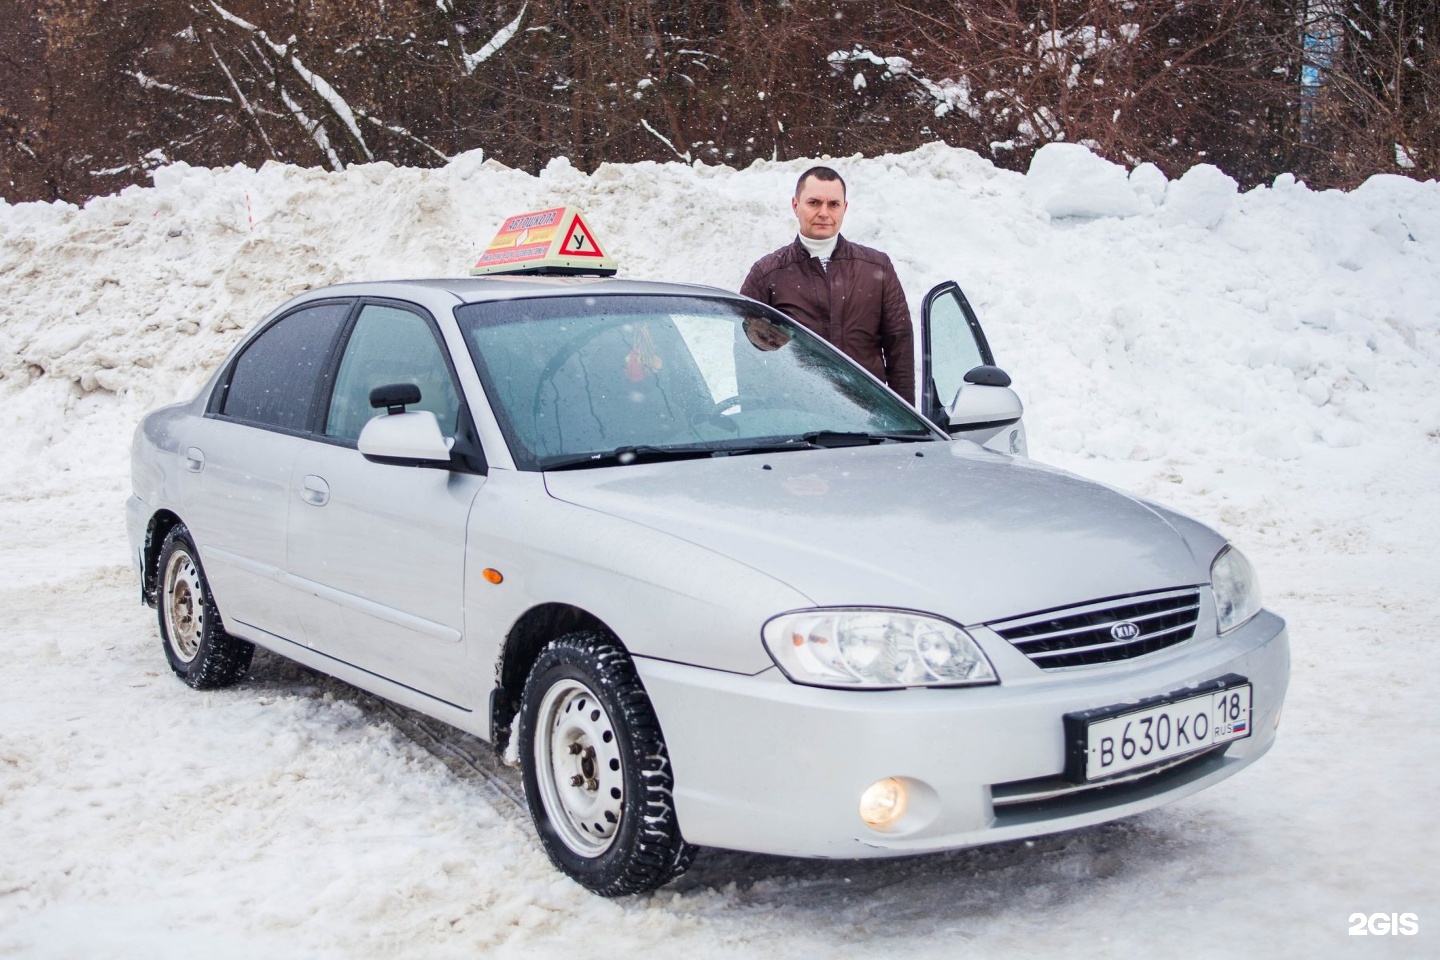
315 491
194 459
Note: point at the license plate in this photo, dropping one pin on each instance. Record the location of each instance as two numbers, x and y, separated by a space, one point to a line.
1113 740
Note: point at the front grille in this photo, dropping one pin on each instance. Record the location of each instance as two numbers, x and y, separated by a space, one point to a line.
1097 632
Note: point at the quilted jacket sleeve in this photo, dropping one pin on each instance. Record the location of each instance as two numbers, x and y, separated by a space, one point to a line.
897 336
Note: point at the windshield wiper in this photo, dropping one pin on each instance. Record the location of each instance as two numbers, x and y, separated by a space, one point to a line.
828 440
814 440
855 438
623 456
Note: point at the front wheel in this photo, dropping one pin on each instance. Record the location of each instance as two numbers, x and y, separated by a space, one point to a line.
597 776
199 650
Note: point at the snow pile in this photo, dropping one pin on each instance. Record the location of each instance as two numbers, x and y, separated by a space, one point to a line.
1203 196
1285 310
1266 361
1067 180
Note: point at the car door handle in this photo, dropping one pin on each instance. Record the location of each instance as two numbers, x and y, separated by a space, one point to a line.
314 490
194 459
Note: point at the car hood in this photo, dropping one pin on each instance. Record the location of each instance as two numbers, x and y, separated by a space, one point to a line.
948 528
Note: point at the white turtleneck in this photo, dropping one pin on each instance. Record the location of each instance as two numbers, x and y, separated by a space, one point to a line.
821 249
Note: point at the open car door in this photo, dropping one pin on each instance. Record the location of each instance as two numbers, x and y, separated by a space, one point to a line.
961 388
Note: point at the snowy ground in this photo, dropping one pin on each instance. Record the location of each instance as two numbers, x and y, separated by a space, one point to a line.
1265 361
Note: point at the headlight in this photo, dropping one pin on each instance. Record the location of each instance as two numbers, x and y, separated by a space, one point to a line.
1236 589
871 649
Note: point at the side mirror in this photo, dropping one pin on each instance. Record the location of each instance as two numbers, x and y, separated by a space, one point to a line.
394 397
988 376
979 405
405 439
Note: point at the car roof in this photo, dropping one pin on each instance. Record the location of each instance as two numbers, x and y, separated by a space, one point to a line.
482 289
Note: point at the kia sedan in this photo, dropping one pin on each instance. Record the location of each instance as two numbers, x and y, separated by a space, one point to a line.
701 576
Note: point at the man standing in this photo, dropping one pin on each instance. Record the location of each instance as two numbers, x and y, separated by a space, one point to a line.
846 293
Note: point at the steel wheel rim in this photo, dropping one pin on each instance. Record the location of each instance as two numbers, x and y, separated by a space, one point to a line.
578 768
184 606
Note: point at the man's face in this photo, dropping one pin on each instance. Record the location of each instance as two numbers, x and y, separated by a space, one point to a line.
764 334
820 208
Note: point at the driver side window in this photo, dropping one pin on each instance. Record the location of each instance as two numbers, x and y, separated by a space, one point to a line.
390 345
954 351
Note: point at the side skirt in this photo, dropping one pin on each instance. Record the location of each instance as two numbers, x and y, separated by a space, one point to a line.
470 721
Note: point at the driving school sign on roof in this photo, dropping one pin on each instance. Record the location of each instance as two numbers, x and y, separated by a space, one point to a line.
546 241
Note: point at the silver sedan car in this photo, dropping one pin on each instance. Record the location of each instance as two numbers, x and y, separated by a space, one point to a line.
706 580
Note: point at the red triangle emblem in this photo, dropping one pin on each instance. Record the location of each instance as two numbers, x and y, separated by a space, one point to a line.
579 242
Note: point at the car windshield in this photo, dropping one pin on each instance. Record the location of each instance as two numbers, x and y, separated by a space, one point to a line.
601 380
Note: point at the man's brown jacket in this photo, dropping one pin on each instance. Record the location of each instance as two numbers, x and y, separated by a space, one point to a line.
856 304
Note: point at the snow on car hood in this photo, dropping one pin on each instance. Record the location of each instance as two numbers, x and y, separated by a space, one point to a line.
948 528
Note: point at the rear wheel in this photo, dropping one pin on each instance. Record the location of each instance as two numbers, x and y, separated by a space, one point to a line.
597 776
199 650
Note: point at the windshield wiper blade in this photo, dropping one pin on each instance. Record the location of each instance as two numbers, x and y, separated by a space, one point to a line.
841 438
623 456
822 439
815 439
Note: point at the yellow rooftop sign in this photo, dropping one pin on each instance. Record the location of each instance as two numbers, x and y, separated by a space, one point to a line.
554 241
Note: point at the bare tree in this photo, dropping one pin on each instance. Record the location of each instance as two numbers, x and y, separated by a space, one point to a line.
1146 80
92 96
1373 90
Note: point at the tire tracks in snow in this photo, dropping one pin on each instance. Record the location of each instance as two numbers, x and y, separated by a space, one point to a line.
465 755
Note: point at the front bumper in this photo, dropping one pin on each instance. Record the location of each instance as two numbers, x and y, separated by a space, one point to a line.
765 765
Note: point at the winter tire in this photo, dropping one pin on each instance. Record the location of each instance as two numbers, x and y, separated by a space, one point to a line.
199 650
597 776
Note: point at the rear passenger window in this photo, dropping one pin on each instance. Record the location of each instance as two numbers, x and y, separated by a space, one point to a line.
274 382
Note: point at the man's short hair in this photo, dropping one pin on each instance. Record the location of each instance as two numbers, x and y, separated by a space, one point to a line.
819 173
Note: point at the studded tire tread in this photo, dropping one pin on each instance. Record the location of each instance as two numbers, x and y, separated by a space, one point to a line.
648 850
221 660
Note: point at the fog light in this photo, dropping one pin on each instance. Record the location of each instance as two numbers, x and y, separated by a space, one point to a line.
883 803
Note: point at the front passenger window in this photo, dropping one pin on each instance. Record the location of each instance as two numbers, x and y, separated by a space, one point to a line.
390 345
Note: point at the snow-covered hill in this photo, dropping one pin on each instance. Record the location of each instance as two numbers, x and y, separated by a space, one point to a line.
1267 361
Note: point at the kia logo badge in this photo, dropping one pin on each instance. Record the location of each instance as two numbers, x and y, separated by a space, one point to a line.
1124 630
